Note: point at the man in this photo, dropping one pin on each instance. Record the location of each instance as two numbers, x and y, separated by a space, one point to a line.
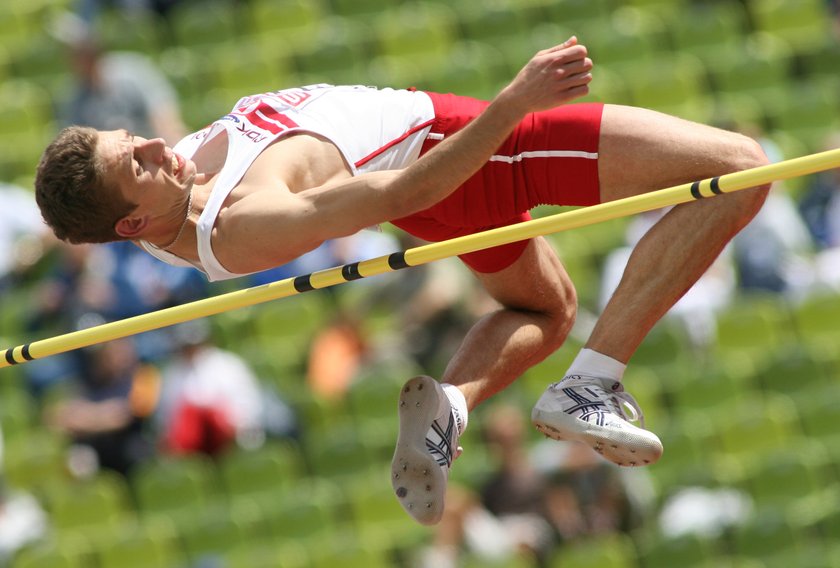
286 171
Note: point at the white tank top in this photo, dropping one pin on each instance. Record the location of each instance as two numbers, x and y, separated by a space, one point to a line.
374 129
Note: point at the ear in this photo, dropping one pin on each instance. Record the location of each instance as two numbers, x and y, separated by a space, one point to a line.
131 226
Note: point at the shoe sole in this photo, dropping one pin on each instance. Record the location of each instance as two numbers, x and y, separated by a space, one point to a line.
629 449
418 481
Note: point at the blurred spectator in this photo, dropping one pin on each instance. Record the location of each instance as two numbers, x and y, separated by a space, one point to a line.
773 253
834 9
211 398
820 206
107 418
820 203
696 310
589 495
123 281
58 308
335 356
22 520
509 514
116 90
90 10
537 498
24 236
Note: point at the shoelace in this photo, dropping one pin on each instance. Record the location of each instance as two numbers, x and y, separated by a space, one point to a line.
622 400
616 396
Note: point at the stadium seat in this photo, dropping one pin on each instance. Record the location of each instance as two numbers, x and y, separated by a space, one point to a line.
197 24
378 516
180 489
758 428
711 31
770 539
48 555
339 56
96 509
140 549
213 536
268 469
474 68
245 67
816 319
629 41
686 551
762 71
802 24
192 75
267 554
35 460
810 113
130 30
789 479
753 327
719 389
675 85
341 454
308 516
798 374
609 551
578 14
665 346
26 125
818 412
421 32
361 10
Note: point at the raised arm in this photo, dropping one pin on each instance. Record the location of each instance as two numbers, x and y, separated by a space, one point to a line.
552 77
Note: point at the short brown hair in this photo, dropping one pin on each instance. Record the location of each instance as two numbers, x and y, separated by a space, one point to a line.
72 193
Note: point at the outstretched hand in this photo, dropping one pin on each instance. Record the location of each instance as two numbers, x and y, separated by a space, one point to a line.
552 77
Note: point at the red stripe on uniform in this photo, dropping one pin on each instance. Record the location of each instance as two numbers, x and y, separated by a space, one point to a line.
393 143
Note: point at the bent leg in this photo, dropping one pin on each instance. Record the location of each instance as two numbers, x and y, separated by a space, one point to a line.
641 151
539 305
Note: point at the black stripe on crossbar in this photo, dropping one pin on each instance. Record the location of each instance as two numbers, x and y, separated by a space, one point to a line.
351 271
25 352
397 260
304 283
10 356
715 184
695 190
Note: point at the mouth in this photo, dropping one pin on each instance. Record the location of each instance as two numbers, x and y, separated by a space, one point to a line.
177 165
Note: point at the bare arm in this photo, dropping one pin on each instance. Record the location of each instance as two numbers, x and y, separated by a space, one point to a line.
289 226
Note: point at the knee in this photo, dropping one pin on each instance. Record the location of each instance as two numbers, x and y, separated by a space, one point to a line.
561 315
748 154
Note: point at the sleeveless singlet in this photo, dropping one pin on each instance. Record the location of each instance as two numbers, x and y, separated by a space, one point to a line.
374 129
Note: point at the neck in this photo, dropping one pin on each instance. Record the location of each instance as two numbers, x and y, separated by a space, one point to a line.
181 228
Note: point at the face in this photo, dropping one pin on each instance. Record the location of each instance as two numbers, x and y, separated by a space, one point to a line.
147 172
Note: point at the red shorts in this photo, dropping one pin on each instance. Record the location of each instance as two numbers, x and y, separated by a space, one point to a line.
551 158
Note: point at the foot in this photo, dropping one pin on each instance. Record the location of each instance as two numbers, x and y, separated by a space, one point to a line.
426 446
593 411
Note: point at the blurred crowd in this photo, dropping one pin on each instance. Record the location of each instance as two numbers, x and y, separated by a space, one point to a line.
184 390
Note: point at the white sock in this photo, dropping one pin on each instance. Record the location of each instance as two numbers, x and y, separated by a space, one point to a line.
459 405
594 364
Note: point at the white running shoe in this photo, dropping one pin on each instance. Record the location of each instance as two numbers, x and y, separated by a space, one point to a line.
593 411
426 446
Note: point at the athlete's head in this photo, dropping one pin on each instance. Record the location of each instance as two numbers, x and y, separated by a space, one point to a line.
99 186
72 190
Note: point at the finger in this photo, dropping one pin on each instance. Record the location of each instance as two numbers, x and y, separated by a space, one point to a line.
560 57
577 66
568 43
577 80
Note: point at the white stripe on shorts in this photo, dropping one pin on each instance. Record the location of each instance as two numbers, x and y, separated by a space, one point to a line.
545 154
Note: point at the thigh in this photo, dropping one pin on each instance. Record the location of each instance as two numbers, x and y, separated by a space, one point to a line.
536 281
642 150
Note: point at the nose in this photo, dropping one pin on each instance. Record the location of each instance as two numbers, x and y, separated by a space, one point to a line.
153 148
